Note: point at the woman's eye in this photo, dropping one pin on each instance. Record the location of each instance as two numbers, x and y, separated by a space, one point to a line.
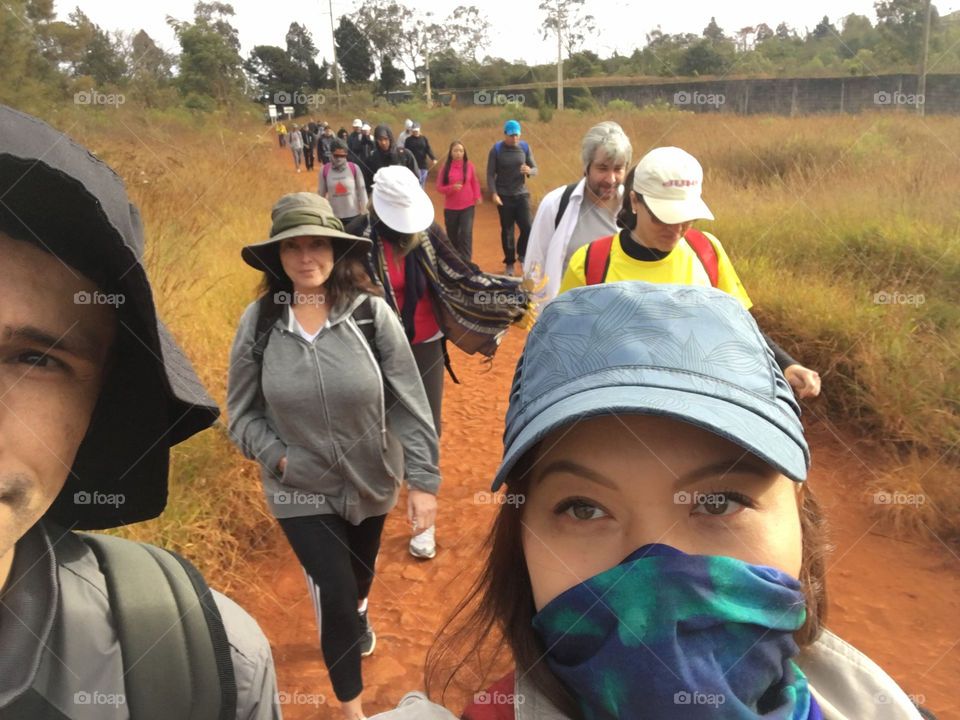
719 503
580 509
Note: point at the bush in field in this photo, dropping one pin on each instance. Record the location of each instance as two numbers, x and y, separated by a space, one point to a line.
620 106
514 111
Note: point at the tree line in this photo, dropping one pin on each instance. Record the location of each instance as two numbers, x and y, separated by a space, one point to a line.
386 45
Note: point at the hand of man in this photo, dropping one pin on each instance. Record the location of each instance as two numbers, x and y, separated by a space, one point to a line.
525 169
496 199
804 381
421 508
282 465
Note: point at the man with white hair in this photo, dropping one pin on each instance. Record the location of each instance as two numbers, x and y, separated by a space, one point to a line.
402 137
573 215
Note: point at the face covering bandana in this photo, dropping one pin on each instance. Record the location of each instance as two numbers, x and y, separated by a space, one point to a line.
668 635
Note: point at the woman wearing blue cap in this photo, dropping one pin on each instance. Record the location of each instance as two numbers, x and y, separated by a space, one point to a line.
663 555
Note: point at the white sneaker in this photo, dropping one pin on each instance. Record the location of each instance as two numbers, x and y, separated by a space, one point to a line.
424 545
508 270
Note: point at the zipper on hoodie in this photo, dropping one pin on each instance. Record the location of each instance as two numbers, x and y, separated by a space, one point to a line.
323 404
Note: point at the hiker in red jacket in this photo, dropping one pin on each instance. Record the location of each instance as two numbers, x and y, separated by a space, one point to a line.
657 243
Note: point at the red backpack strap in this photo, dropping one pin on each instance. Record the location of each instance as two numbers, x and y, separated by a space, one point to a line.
706 252
597 260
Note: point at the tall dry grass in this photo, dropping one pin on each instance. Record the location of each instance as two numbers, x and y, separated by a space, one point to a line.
818 214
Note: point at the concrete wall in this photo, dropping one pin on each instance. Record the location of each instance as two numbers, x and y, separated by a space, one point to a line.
776 96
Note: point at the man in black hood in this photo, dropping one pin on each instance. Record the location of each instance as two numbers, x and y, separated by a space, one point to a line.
93 393
387 153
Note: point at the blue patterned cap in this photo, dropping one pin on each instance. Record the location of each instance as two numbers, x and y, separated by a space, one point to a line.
692 354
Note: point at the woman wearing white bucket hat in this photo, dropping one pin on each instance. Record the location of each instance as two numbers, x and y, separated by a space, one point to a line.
657 243
436 293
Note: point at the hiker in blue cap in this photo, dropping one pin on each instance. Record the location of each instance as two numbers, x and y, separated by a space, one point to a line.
94 391
660 553
509 164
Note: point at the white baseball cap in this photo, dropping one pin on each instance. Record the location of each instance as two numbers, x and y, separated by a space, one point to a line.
670 181
399 200
366 126
357 122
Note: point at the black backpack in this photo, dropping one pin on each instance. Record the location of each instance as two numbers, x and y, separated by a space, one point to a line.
268 313
165 613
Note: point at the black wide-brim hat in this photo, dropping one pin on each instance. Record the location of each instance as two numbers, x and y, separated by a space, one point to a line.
57 195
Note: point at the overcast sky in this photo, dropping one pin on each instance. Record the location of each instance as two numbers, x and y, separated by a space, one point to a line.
514 32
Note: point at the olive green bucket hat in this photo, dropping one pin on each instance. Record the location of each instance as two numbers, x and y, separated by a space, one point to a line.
298 214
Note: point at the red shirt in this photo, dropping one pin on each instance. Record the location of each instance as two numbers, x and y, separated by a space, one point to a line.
465 196
424 323
496 703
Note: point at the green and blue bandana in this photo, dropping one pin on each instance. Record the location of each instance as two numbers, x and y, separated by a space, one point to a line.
666 634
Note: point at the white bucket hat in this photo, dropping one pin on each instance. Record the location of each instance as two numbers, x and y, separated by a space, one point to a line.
357 122
671 180
399 200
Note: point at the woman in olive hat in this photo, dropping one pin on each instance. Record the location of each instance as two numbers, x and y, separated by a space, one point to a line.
324 393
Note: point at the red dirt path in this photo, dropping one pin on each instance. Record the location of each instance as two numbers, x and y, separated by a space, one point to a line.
896 600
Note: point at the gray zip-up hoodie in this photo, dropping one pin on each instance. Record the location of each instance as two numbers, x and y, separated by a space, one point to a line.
348 436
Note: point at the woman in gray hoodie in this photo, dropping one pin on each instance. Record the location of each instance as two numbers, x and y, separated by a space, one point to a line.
324 393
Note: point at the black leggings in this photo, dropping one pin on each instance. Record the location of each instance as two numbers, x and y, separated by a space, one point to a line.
340 559
460 230
429 357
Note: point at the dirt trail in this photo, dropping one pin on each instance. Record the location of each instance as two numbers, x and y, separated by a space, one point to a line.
896 600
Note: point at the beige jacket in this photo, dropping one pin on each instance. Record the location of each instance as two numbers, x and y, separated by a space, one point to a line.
846 683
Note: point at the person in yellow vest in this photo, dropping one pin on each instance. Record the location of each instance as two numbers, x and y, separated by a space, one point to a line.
281 133
657 243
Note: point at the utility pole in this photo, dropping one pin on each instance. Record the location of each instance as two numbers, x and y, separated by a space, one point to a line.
426 69
336 68
559 65
922 81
